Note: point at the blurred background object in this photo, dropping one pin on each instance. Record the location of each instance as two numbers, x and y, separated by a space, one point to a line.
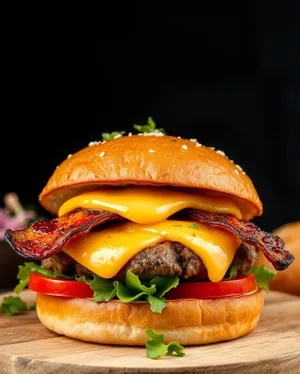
15 217
289 279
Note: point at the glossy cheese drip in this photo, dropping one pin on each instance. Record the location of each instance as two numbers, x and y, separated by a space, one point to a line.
105 252
147 205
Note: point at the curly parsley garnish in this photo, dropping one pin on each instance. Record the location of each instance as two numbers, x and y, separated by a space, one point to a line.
149 127
156 348
12 305
112 135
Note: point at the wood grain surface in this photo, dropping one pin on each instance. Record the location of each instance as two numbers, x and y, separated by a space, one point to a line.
273 347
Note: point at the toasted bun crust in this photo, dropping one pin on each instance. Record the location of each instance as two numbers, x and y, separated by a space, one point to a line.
287 280
175 162
190 321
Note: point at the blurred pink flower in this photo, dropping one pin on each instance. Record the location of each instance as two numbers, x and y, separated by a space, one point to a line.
13 216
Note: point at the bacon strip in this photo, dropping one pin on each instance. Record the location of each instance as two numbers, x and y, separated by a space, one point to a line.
272 246
44 239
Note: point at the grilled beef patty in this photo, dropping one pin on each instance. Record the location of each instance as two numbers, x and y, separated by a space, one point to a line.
165 259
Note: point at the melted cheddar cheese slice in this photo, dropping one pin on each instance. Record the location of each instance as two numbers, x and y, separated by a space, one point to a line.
148 205
106 251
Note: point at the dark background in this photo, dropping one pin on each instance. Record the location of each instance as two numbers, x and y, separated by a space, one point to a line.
227 75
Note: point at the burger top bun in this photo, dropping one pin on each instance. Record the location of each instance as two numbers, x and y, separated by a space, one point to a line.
287 280
150 160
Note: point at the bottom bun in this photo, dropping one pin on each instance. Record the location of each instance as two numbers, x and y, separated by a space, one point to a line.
189 321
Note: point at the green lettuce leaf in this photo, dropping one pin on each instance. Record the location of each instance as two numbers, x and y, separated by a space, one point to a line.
133 283
29 267
132 290
157 305
153 293
12 305
233 272
262 276
163 284
155 347
103 289
126 295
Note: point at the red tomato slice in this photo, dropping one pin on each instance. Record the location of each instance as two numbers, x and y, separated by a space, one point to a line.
239 286
59 286
194 290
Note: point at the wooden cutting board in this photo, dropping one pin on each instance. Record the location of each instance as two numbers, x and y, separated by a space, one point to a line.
273 347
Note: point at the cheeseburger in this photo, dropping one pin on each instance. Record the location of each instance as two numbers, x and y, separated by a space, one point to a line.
149 231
